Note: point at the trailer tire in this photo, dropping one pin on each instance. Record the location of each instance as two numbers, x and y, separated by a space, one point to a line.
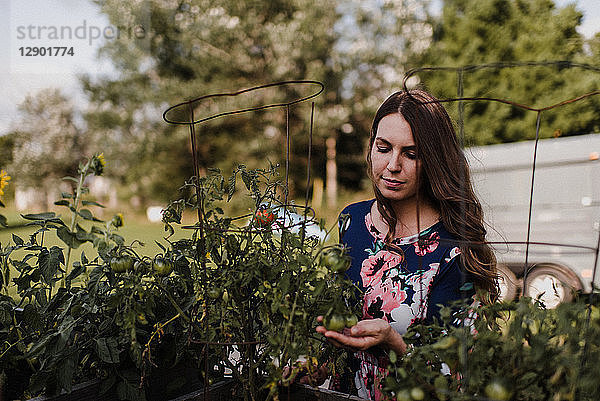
507 282
553 284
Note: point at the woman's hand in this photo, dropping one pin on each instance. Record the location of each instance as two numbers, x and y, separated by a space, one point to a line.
364 335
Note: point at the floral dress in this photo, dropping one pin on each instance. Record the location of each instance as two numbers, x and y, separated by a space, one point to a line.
402 284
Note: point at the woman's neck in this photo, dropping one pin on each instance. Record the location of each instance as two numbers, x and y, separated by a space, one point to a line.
407 223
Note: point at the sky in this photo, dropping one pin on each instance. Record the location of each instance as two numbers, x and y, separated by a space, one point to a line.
79 28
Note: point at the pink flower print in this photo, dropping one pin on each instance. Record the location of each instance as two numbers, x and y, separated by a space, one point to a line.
391 295
428 245
384 291
453 253
424 278
374 266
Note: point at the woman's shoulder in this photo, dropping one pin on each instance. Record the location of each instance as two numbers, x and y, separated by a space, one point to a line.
352 219
361 207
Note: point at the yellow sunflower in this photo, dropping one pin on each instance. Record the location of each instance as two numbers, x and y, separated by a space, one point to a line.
97 164
4 179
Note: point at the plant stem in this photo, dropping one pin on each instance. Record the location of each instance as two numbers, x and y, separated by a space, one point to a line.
75 206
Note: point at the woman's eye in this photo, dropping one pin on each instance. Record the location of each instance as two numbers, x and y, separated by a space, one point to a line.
411 155
382 149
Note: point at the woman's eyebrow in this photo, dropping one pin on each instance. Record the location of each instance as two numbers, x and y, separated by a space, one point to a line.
380 139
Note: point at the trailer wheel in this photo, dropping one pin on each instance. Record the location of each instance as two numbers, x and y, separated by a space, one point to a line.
552 284
507 283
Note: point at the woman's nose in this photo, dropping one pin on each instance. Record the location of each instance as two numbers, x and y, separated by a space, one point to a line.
395 163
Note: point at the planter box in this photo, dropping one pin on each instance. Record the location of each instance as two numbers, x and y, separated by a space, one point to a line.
221 391
297 392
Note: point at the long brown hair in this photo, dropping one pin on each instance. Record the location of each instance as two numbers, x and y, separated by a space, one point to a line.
444 180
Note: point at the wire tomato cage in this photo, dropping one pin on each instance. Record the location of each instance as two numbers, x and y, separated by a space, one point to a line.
461 99
189 113
531 247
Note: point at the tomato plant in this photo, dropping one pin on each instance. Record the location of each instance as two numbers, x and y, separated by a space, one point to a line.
233 284
264 284
511 351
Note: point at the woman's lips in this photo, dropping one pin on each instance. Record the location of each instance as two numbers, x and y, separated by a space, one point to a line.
392 184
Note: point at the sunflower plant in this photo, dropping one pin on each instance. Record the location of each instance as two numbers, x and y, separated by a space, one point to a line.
4 179
517 350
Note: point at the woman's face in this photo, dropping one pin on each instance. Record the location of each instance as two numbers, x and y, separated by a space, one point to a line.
394 163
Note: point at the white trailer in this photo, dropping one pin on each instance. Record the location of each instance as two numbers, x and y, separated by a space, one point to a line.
563 231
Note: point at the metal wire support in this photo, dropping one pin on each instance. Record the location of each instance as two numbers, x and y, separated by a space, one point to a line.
183 114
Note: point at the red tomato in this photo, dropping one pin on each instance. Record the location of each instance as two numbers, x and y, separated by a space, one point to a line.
264 217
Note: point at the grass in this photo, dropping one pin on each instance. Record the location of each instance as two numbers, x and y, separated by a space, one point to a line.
137 230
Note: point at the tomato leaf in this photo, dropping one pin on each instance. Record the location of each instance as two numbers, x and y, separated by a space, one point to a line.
107 349
49 262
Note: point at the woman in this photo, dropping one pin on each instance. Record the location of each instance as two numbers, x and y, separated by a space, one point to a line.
420 242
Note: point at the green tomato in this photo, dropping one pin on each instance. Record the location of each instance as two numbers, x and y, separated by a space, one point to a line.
334 322
121 264
335 260
417 394
403 395
497 389
351 320
162 267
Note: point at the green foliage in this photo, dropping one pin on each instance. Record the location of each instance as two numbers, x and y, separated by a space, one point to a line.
47 142
195 48
519 350
236 284
492 31
260 280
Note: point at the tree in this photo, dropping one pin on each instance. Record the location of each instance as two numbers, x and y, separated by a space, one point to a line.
198 47
491 31
377 43
48 144
173 51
